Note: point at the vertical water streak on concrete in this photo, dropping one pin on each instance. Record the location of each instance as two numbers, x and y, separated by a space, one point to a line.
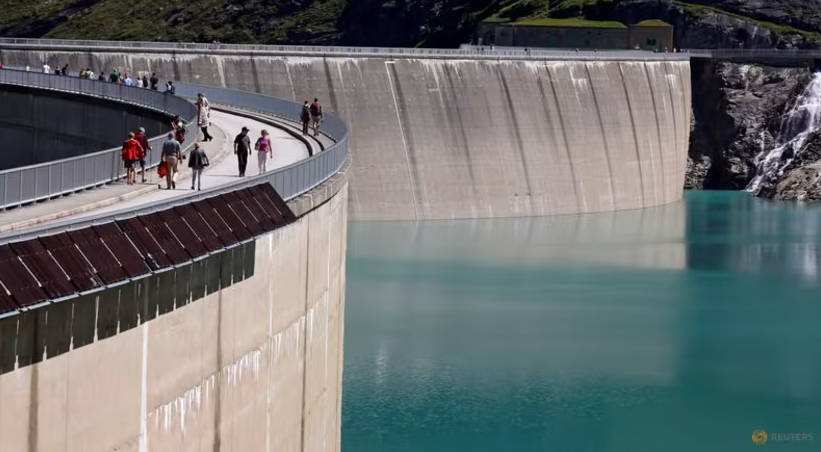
217 438
34 390
331 92
290 79
255 75
635 135
458 113
519 141
552 127
390 69
664 196
144 393
176 65
305 340
581 201
601 133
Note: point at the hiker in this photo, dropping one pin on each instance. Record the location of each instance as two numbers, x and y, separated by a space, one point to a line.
316 115
197 161
263 147
305 117
171 153
143 140
131 153
204 116
178 126
154 81
170 88
242 149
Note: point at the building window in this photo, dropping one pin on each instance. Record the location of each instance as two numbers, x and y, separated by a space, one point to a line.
651 42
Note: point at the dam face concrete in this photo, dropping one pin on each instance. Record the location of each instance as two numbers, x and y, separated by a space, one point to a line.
38 126
437 138
239 351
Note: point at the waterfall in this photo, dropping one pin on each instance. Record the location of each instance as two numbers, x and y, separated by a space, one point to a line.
801 122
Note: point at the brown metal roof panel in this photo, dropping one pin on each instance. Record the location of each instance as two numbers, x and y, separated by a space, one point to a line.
245 215
124 250
204 232
72 261
267 205
280 203
52 278
153 254
217 223
172 247
19 282
265 217
106 265
183 232
220 204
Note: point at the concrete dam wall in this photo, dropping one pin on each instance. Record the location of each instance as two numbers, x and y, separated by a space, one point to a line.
239 351
38 126
440 137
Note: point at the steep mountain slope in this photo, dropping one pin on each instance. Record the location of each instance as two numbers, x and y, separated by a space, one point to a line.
441 23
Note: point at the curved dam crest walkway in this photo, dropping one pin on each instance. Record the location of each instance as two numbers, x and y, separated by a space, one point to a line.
444 135
223 170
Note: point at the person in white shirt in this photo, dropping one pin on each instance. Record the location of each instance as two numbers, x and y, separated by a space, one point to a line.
128 81
91 75
139 82
46 68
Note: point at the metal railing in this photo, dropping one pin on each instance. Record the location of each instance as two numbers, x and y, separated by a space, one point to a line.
247 49
23 185
289 181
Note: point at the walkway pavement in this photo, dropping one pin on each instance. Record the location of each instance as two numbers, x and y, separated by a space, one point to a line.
117 196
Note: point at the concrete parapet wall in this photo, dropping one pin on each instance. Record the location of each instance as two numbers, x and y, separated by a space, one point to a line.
440 138
239 351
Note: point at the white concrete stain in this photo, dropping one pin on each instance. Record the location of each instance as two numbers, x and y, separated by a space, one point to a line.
175 414
144 393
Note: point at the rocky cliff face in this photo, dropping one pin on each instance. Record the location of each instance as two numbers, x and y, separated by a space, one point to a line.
737 113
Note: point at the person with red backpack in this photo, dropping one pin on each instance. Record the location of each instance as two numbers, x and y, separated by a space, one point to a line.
132 151
316 115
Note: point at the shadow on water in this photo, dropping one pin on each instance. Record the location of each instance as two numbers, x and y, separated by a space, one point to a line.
674 328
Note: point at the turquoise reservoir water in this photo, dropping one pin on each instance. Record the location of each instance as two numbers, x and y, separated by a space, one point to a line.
680 328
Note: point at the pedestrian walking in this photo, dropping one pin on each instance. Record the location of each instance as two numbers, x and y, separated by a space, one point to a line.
90 74
155 82
316 115
305 117
128 81
263 147
171 153
139 82
242 149
143 140
114 77
132 150
64 70
197 161
145 81
46 68
170 88
204 116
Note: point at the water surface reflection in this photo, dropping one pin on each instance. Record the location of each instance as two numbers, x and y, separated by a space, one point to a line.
678 328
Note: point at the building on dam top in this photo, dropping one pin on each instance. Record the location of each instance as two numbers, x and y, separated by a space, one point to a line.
577 34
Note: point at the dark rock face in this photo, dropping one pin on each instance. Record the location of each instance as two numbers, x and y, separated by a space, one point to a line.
737 111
